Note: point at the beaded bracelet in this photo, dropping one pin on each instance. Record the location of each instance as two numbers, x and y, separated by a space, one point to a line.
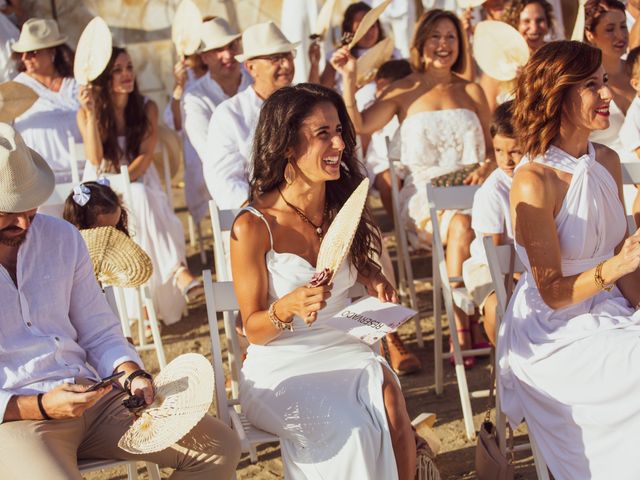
279 324
597 277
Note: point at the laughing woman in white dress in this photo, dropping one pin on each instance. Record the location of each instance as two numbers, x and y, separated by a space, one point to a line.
119 127
333 401
45 64
569 345
444 126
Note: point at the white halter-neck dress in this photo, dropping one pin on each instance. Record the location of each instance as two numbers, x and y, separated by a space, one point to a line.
434 143
156 228
573 373
318 389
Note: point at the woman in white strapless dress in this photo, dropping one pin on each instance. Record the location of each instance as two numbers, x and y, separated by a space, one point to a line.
569 344
333 401
444 125
118 126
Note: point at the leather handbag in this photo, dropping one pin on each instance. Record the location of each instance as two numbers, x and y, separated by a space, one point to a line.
491 464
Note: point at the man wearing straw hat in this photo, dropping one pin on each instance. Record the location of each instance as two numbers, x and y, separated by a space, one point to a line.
225 77
268 57
58 334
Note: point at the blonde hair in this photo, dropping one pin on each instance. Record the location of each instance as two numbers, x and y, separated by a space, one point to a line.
542 88
424 27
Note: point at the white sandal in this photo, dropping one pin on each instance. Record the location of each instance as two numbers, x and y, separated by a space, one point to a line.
193 292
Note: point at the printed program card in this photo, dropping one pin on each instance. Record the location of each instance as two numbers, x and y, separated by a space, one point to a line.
370 319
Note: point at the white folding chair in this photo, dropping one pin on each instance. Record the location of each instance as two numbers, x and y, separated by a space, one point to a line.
87 466
503 263
450 198
76 155
116 298
221 297
630 178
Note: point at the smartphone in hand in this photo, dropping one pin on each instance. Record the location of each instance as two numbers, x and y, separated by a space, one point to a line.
105 381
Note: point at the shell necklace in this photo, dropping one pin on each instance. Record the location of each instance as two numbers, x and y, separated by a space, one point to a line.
318 228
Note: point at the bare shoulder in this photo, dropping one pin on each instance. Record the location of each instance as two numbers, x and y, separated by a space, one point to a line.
531 183
609 159
251 231
151 109
403 85
473 89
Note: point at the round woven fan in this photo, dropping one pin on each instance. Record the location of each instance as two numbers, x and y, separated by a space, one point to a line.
499 49
15 99
371 60
183 395
187 24
117 260
337 241
93 52
370 18
470 3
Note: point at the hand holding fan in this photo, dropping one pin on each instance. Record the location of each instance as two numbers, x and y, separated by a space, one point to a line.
185 32
93 52
183 395
337 241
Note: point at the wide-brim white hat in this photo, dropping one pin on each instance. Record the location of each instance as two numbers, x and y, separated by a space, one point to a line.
499 49
26 180
38 33
216 33
264 39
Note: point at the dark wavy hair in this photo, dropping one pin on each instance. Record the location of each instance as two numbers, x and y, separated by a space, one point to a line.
62 60
135 116
350 15
103 200
424 27
542 88
281 117
595 9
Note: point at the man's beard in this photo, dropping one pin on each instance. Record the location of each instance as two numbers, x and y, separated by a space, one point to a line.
12 241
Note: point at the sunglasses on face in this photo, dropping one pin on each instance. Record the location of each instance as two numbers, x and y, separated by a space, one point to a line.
277 57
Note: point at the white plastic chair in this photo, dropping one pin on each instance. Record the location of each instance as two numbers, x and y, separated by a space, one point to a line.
450 198
87 466
503 263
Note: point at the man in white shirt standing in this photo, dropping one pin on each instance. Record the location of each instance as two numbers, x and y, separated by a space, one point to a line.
224 79
268 57
57 336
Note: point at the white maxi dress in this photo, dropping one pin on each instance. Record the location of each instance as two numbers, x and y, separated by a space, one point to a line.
573 373
318 389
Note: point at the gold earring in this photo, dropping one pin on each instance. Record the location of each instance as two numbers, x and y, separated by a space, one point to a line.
289 173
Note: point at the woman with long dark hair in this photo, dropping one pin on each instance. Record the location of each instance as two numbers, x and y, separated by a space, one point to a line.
45 64
569 345
119 127
335 403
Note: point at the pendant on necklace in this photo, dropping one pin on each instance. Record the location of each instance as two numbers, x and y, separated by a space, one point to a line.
319 231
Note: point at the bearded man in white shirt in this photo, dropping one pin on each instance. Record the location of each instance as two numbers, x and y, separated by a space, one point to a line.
58 335
268 57
224 79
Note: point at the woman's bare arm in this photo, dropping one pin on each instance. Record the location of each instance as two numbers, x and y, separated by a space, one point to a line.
139 165
534 200
87 119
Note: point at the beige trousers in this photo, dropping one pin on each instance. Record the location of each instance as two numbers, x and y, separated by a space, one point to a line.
50 449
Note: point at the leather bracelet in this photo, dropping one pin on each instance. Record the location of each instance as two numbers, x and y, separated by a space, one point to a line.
279 324
134 375
597 277
43 412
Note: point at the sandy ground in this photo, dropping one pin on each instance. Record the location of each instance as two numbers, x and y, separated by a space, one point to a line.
456 458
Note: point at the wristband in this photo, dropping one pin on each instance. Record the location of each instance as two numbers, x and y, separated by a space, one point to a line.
43 412
132 376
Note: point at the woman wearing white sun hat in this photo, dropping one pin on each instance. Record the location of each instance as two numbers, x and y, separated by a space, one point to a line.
45 63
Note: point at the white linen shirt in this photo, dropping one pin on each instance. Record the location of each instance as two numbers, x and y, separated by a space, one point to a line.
56 325
630 131
199 103
229 140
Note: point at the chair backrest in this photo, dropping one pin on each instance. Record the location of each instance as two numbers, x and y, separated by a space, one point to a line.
76 156
163 153
451 198
503 263
630 173
59 195
221 223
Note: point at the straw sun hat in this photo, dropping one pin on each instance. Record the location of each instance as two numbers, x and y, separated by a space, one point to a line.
37 34
183 395
26 181
216 33
15 99
117 260
264 39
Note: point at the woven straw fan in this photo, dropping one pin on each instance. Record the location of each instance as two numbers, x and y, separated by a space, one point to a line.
185 32
368 21
93 52
184 392
117 260
15 99
337 241
371 60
